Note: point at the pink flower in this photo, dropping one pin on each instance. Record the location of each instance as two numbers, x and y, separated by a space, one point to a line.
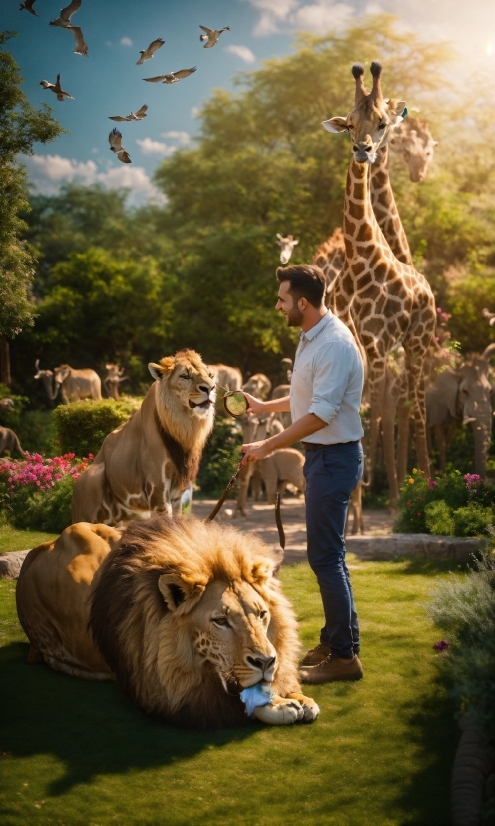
441 645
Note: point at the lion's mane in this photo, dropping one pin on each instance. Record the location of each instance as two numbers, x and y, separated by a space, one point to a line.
149 647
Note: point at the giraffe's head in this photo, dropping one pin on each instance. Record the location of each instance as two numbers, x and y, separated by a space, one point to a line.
371 119
286 245
414 142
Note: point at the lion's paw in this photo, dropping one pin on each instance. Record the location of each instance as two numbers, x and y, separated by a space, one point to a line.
310 708
282 711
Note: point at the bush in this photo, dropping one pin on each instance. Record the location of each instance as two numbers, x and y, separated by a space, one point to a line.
36 494
464 608
82 426
220 458
453 505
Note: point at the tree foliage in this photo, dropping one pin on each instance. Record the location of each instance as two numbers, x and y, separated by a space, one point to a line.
199 271
20 127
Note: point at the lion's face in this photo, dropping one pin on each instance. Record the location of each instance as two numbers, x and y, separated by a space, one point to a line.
228 628
188 380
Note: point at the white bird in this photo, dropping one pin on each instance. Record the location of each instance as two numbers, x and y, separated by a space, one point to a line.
173 77
28 5
211 35
139 115
115 138
147 54
56 89
64 22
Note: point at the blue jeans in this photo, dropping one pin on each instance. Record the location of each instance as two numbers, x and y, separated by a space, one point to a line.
331 475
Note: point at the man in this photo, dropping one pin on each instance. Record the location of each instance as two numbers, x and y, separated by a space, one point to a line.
324 401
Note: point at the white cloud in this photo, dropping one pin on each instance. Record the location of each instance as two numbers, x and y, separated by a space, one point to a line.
182 137
322 16
48 172
273 13
151 147
241 51
125 41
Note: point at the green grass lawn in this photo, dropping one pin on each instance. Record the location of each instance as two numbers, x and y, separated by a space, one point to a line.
12 539
75 752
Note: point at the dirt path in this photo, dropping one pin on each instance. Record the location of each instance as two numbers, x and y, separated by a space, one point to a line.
261 520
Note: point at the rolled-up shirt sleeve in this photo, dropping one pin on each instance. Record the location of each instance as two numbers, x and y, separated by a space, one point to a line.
330 379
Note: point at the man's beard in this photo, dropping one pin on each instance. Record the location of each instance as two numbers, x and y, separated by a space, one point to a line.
294 317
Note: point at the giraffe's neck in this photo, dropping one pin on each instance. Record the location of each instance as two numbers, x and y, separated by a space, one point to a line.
362 234
385 208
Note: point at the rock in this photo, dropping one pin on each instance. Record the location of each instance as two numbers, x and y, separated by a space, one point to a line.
426 545
10 564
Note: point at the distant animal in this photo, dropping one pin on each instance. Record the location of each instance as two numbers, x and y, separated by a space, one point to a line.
356 510
115 140
9 441
228 378
281 467
76 385
286 245
146 464
64 22
139 115
172 77
489 316
28 5
258 385
465 395
56 89
279 392
211 36
46 377
183 614
147 54
114 378
254 429
6 406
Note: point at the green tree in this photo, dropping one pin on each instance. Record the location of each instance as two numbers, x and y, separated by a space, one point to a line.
20 127
263 165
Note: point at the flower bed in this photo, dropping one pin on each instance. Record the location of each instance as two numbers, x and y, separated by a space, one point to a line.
452 505
36 493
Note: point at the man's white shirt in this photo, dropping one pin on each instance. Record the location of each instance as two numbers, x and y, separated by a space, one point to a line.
327 380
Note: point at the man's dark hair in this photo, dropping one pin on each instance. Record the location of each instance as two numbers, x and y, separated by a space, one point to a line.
306 281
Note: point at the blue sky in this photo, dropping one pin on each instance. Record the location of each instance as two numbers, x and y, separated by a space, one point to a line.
108 82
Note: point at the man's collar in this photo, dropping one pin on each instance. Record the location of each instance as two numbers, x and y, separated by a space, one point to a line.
313 332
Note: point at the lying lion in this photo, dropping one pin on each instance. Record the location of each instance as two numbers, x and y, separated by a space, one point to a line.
185 615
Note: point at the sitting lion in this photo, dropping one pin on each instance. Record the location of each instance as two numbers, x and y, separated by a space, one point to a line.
147 464
183 614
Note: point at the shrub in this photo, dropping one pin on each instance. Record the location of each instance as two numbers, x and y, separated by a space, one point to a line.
36 493
82 426
220 458
453 505
464 608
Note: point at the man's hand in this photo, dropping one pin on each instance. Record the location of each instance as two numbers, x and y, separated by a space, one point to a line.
255 451
255 405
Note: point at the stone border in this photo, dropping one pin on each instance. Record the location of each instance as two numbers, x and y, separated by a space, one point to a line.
11 563
457 548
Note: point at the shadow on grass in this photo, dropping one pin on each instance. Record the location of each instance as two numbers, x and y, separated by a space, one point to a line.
427 566
90 726
435 735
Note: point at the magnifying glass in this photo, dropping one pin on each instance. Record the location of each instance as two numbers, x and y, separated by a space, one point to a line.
235 403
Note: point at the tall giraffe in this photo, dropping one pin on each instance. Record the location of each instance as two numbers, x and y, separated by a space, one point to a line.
384 302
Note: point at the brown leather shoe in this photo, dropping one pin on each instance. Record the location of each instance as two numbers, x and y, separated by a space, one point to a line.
331 670
316 655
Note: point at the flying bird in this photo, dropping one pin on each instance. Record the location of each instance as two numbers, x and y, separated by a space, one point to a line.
56 89
147 54
139 115
211 35
64 22
173 77
28 5
115 138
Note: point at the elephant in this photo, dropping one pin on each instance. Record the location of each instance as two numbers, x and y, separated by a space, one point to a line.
465 395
